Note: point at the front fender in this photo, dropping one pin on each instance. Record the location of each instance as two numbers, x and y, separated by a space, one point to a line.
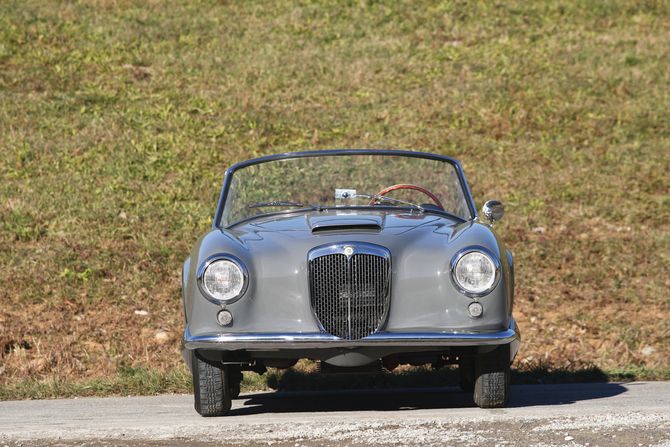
184 286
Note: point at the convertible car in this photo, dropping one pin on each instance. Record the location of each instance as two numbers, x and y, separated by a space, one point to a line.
358 259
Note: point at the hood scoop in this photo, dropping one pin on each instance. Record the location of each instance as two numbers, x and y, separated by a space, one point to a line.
346 223
348 229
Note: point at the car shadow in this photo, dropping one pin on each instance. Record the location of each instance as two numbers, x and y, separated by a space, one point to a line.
416 398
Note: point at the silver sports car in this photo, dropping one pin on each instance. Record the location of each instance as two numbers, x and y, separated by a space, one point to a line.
358 259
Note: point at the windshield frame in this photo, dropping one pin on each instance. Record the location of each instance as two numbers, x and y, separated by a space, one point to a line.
291 155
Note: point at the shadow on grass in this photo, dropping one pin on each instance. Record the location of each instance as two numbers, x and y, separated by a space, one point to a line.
422 377
538 374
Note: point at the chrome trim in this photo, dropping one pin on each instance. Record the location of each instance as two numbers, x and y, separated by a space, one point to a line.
360 248
207 263
231 342
350 249
465 251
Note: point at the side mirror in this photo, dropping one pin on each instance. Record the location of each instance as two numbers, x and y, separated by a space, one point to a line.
493 210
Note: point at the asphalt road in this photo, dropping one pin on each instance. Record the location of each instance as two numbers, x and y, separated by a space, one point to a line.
603 414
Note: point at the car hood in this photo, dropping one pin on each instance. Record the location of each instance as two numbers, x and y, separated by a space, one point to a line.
321 227
275 250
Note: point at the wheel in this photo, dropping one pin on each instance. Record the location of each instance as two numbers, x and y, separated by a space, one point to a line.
492 378
466 374
211 388
407 186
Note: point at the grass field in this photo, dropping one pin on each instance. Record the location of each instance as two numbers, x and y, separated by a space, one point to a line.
119 117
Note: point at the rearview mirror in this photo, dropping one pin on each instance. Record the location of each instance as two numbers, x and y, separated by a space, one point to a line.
493 210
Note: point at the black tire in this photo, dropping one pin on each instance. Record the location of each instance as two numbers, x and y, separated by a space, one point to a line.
466 374
492 383
211 388
235 380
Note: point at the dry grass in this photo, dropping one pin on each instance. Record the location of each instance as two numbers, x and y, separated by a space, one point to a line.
118 118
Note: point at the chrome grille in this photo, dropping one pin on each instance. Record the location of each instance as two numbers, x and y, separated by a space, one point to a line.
350 293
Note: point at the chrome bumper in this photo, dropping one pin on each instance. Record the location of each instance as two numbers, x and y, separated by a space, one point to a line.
273 342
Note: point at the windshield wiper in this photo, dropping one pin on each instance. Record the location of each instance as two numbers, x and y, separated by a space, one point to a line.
388 199
275 203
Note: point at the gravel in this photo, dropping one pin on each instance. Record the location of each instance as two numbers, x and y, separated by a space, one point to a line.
636 414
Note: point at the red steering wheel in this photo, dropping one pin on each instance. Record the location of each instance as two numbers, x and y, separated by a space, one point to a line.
407 186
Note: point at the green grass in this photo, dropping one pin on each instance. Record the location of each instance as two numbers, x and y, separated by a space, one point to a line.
143 382
127 382
118 119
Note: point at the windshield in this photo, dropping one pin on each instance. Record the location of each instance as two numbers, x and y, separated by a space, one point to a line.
344 180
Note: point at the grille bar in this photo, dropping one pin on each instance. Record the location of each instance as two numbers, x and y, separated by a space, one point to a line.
350 292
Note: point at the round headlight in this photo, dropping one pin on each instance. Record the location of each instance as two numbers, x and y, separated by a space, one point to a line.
223 279
475 272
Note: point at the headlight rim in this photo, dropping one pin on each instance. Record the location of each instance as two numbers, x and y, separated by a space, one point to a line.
459 255
219 257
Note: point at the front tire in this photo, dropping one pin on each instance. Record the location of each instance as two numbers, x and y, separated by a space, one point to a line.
492 378
211 388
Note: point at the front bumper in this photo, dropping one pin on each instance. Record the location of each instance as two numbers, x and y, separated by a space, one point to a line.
274 342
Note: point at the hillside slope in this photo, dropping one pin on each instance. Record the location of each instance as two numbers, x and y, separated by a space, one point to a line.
119 117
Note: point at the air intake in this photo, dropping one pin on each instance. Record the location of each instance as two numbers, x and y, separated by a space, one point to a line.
350 288
360 228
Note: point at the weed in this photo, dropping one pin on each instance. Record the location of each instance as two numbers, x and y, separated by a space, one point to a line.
117 122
